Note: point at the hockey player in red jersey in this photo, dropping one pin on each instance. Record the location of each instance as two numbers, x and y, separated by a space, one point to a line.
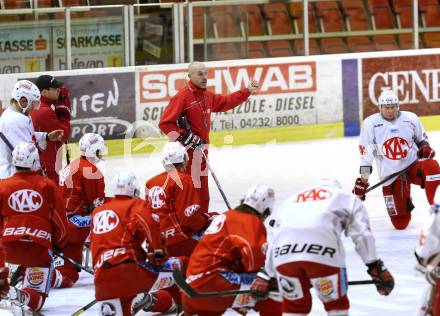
119 228
172 196
33 222
396 140
83 189
306 250
229 254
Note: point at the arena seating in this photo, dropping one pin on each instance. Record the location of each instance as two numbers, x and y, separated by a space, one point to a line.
229 24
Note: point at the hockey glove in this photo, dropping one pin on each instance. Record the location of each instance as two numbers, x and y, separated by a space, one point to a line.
4 284
63 105
157 257
360 188
425 152
383 279
191 140
261 285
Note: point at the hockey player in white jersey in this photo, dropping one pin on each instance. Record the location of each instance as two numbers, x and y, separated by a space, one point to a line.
16 125
306 250
396 140
428 257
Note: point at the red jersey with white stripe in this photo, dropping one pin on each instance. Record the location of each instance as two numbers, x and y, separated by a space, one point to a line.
32 208
83 186
118 229
233 242
173 197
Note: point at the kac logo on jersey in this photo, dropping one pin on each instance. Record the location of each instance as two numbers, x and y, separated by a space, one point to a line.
316 194
362 150
216 224
156 197
105 221
395 148
190 210
25 201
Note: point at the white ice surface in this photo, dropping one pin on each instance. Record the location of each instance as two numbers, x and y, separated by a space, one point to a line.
289 167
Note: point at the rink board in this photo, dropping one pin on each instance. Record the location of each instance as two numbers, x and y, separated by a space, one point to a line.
300 97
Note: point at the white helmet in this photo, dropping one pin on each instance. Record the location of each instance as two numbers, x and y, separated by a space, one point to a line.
260 197
126 184
90 143
26 89
25 155
388 97
172 153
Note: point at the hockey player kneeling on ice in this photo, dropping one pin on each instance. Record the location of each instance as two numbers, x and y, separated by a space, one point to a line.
82 184
172 195
396 140
428 257
119 228
34 222
228 256
307 251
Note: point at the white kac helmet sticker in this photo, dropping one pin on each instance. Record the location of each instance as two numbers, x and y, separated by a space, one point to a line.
25 201
105 221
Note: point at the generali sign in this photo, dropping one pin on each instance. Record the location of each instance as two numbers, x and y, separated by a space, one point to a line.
415 79
161 86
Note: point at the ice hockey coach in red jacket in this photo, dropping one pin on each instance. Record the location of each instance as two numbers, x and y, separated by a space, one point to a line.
187 118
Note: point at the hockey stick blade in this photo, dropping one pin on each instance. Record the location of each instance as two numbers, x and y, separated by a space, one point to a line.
180 280
395 174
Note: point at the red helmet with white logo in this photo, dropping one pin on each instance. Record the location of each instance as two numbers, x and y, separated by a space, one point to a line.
25 155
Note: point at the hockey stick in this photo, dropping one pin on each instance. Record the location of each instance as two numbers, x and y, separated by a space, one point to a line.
67 152
180 280
6 141
216 180
395 174
182 122
71 261
84 308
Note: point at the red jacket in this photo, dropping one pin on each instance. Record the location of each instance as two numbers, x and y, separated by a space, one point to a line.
197 105
233 242
118 229
174 198
32 208
83 186
45 120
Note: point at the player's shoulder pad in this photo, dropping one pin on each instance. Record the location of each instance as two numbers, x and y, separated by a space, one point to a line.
372 119
409 115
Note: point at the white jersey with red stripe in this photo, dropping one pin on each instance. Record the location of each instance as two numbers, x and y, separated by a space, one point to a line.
392 143
16 127
309 224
